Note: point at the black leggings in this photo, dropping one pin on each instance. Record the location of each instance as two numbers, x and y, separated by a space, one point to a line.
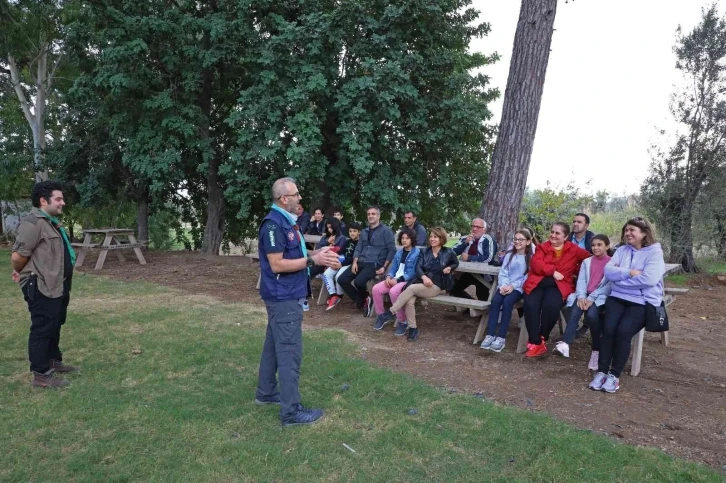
542 309
623 320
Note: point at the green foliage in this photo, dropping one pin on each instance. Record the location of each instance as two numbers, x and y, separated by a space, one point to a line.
543 207
165 229
364 103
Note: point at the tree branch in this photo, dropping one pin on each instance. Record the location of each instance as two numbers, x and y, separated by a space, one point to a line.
15 78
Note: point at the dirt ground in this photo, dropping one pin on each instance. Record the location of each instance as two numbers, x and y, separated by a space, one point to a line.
677 403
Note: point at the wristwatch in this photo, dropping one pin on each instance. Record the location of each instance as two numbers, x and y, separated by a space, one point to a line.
310 263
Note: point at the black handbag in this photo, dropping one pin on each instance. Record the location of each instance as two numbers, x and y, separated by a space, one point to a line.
656 318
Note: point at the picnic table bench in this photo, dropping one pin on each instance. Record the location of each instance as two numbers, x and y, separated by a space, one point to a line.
113 241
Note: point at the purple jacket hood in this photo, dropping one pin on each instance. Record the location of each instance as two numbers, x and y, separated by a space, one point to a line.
646 287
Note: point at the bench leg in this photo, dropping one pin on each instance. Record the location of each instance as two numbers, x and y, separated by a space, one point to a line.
482 328
323 297
259 277
81 256
523 337
137 251
637 353
664 338
559 322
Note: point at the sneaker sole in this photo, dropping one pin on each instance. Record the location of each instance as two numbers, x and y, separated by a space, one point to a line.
383 326
558 353
496 350
596 388
401 334
610 392
485 348
266 403
303 424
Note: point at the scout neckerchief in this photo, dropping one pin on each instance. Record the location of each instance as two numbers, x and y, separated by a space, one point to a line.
57 225
293 220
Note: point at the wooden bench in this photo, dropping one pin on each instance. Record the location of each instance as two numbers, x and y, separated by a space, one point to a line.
637 357
255 257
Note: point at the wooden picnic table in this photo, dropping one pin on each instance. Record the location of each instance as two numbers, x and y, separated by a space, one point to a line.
115 239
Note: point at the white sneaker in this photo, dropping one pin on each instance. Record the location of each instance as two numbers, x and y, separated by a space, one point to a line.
598 381
487 343
592 365
562 349
498 344
612 384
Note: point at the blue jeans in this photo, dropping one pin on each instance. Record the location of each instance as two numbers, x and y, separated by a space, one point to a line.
592 317
505 303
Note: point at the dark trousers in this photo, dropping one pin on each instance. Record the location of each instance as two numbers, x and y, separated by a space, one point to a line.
282 356
505 303
465 281
593 320
316 270
47 315
354 284
623 320
542 309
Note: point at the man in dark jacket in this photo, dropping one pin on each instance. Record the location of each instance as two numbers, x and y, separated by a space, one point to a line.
580 235
303 219
476 247
374 252
411 220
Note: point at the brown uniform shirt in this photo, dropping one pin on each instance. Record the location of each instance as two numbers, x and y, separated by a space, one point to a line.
38 240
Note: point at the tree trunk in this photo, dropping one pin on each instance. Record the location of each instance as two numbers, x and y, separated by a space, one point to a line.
142 216
682 240
2 219
720 238
522 98
214 228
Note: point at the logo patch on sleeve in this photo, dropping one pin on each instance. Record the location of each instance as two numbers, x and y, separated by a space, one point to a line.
272 238
290 236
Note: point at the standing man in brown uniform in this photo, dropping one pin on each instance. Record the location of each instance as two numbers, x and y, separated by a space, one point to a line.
42 262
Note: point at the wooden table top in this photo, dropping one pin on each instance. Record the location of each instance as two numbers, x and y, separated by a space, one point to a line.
110 231
477 267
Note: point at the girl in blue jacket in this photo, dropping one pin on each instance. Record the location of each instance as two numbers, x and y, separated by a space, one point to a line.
512 275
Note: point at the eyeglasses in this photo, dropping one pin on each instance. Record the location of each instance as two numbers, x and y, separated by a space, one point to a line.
294 195
519 240
477 226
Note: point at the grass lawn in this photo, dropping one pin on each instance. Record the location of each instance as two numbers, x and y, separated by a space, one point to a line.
182 409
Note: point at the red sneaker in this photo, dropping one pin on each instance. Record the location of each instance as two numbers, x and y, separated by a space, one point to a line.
536 350
333 301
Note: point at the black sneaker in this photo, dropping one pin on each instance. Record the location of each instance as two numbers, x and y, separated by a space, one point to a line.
304 415
401 329
412 334
383 319
368 306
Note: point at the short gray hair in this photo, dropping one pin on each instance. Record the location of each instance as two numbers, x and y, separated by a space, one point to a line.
278 187
483 222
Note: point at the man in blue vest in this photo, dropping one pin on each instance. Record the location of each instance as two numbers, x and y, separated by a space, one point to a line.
285 287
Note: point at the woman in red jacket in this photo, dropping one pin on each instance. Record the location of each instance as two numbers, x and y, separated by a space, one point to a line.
551 279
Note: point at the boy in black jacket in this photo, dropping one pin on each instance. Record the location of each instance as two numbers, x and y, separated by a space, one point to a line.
331 275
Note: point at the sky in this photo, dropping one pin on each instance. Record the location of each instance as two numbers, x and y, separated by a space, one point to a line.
610 76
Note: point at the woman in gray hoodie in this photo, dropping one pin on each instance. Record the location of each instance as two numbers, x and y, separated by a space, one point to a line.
636 272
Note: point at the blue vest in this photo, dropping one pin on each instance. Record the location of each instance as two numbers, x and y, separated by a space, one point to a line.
282 286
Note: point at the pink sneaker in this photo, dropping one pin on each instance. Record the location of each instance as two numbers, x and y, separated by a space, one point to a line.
592 365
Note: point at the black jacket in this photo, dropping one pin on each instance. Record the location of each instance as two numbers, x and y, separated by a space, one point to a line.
315 228
433 267
303 221
588 240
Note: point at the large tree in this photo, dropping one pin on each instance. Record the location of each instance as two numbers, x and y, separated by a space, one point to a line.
364 102
697 156
31 54
522 98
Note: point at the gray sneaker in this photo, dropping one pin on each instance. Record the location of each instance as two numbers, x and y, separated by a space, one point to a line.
498 344
612 384
598 381
487 343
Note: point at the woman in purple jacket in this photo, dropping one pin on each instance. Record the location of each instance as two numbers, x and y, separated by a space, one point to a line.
636 272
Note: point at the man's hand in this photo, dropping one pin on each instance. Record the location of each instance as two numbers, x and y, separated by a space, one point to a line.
465 256
354 267
469 238
380 271
447 270
16 276
427 281
558 276
324 257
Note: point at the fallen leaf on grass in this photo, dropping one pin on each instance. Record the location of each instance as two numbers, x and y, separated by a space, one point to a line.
136 352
